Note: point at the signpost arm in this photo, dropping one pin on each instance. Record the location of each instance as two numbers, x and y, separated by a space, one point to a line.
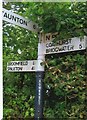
39 83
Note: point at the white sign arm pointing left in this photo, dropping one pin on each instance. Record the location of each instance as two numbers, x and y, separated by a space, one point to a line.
19 20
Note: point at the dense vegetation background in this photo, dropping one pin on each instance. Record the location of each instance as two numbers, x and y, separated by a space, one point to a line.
65 74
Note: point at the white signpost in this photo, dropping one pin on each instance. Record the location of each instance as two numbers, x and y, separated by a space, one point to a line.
60 46
19 20
45 46
24 66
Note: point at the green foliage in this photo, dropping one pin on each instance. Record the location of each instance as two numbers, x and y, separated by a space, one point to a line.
65 75
66 79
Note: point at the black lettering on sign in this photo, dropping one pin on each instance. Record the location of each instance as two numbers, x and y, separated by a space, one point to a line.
63 48
16 19
47 37
47 45
12 17
72 47
24 63
33 68
51 44
9 68
60 42
21 21
47 50
66 42
19 68
14 68
80 46
18 63
55 35
5 15
25 22
56 49
52 50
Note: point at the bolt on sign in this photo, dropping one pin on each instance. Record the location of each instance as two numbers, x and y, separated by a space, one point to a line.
13 18
60 46
23 66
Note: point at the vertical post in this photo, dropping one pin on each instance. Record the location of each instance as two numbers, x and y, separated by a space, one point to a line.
39 82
